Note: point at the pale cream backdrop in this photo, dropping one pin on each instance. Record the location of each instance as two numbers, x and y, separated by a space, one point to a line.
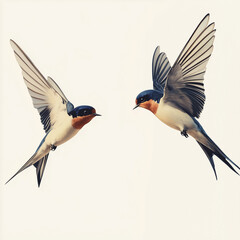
125 175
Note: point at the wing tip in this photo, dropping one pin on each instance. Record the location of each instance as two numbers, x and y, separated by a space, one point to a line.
205 20
157 48
207 16
156 52
13 44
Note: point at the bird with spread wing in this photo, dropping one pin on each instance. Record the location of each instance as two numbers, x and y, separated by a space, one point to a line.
178 97
60 119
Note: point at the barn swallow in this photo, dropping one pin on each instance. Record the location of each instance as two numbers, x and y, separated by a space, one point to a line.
177 98
60 119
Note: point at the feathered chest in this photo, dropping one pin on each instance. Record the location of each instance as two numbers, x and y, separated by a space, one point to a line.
80 121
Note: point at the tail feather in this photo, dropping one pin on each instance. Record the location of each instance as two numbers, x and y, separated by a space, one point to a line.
213 149
40 167
209 154
29 163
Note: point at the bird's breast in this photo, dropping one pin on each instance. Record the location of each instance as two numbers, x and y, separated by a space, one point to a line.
62 132
174 117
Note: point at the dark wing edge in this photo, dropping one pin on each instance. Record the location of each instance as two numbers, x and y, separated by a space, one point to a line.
185 85
160 69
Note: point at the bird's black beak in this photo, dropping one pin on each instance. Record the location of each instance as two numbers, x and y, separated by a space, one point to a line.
96 114
136 106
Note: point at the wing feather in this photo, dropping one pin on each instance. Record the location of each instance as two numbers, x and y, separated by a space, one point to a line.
160 69
201 26
47 97
184 85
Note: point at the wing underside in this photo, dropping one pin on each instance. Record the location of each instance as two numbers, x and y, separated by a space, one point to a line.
47 97
185 87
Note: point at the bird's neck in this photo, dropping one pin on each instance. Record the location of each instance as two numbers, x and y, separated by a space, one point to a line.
151 105
79 122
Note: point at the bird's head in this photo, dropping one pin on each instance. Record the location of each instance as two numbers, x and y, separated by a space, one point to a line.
82 115
149 99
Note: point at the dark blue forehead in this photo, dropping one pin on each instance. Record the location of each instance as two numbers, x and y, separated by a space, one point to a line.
82 110
150 94
83 107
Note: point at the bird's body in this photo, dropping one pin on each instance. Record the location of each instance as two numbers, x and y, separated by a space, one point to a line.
178 96
57 136
60 119
62 133
174 117
180 121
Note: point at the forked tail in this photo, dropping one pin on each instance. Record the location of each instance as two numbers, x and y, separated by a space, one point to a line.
40 166
213 149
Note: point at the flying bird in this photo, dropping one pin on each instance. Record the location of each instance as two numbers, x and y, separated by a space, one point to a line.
177 98
60 119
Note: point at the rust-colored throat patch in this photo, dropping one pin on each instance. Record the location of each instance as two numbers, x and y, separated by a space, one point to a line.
151 105
80 121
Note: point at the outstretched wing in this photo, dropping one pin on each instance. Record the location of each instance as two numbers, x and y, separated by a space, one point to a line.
47 97
184 87
160 69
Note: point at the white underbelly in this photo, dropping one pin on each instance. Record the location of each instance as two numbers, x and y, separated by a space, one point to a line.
61 134
174 117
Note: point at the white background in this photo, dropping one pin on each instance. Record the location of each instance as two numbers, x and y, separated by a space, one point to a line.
125 175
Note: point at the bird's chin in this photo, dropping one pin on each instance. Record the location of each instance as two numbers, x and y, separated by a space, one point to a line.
150 105
79 122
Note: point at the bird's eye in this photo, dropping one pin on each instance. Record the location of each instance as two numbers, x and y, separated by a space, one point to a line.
85 112
141 99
